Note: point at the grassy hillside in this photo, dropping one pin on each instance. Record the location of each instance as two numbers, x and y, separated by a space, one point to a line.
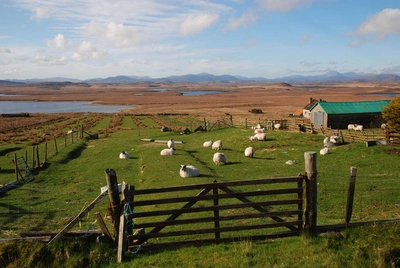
72 178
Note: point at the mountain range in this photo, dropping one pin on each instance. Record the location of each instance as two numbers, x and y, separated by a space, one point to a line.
331 76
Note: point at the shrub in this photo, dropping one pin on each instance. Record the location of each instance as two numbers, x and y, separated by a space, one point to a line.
256 111
391 114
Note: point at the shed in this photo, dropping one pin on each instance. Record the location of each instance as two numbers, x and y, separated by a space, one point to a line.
340 114
306 110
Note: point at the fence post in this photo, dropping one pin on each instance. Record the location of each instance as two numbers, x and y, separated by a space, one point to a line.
216 211
55 144
45 152
37 155
16 166
113 194
33 157
65 140
310 213
205 124
350 193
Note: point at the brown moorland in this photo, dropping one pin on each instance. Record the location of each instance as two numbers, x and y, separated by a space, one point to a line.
276 100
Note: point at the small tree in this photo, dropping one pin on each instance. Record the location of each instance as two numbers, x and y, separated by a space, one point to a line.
391 114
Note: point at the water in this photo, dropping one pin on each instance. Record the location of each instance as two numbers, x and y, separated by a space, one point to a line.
200 92
11 107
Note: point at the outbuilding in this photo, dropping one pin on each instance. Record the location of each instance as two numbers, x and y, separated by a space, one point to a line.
339 114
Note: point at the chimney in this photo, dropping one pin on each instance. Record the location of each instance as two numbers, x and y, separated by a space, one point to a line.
311 100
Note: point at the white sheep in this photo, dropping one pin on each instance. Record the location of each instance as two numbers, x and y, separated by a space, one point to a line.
260 136
324 151
124 155
277 126
219 158
217 145
189 171
334 139
169 151
253 138
70 131
208 143
170 143
355 127
249 152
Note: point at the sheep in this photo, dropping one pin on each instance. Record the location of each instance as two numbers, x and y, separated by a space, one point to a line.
277 126
259 137
324 151
170 143
334 139
219 158
169 151
355 127
189 171
165 129
384 126
217 145
302 128
124 155
253 138
249 152
208 143
70 131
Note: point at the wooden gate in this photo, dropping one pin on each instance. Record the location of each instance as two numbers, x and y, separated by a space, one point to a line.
211 213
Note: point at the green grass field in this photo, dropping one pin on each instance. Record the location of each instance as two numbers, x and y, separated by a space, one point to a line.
72 178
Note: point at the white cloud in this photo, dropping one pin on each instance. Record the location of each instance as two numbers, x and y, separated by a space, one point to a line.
379 26
284 5
247 18
40 13
49 60
59 42
120 35
4 50
12 71
195 23
87 51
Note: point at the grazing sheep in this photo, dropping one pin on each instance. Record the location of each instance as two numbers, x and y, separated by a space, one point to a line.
355 127
384 126
219 158
324 151
217 145
70 131
249 152
259 137
253 138
124 155
169 151
326 140
189 171
170 143
208 143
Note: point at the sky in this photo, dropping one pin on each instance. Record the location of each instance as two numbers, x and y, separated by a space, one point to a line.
89 39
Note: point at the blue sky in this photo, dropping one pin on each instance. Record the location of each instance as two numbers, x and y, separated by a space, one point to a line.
158 38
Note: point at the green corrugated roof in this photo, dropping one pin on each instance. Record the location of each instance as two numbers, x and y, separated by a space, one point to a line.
352 107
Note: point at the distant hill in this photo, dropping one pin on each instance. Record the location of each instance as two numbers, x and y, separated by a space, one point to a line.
331 76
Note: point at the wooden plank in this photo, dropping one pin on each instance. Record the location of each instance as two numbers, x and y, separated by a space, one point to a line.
218 185
196 242
220 218
103 226
52 234
26 239
236 228
79 217
122 239
257 205
219 196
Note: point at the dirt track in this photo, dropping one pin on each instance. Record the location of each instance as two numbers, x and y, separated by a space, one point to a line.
275 100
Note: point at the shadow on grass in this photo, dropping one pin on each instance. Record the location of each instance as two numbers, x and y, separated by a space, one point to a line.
9 150
73 154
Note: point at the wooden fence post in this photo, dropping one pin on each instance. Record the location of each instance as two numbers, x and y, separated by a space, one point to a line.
55 144
45 152
16 166
113 194
37 155
350 193
65 140
33 157
216 211
310 213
